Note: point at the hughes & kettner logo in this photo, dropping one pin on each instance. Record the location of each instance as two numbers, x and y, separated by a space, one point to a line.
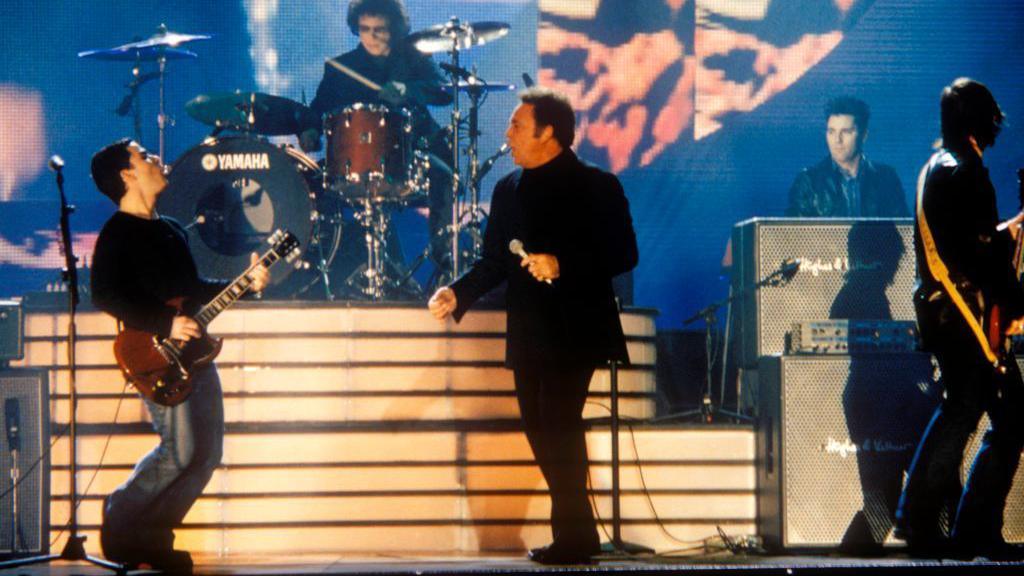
841 264
846 447
238 161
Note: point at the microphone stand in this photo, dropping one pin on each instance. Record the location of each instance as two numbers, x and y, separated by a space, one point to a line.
707 411
74 548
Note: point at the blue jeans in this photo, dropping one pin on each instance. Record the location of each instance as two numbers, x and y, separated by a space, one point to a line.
142 512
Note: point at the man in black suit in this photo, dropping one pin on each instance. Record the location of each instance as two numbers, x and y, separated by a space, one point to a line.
845 184
964 262
574 225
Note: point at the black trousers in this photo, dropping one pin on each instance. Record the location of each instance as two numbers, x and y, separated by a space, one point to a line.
972 387
551 397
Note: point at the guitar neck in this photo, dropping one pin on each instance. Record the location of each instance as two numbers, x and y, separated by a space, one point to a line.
233 292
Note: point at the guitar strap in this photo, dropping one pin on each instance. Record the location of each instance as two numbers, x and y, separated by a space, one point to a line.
940 272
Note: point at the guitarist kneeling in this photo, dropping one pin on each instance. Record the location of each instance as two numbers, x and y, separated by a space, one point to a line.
141 263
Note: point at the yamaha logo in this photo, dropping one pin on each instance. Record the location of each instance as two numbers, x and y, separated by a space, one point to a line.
241 161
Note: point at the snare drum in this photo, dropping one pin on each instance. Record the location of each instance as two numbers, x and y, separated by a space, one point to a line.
232 193
370 154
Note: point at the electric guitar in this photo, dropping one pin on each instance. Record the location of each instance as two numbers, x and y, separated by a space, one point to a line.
161 369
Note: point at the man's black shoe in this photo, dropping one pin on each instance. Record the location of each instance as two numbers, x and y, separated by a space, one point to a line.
555 555
163 560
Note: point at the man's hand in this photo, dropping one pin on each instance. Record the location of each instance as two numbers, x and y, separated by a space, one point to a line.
1013 225
393 92
184 329
543 267
442 303
1016 327
260 276
309 140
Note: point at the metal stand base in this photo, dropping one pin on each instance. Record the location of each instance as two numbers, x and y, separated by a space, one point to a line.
74 551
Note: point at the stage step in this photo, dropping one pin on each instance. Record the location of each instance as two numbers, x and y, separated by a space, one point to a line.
376 428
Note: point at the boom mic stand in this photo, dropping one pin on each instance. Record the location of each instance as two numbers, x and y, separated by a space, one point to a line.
707 411
74 548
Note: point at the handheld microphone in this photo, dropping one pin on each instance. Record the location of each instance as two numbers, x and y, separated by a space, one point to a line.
515 246
12 423
55 163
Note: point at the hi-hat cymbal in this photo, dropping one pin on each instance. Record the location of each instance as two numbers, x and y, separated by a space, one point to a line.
150 54
457 35
270 115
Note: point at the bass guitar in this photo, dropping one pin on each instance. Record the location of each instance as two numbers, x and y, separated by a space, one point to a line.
161 369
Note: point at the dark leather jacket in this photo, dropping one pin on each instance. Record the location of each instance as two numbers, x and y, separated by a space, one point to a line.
959 205
817 192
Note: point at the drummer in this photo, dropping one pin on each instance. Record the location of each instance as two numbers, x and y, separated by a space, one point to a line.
407 78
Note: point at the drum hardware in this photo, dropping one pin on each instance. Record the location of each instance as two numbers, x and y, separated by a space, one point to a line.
454 37
380 276
160 47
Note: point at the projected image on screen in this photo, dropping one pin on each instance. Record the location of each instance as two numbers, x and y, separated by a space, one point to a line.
646 74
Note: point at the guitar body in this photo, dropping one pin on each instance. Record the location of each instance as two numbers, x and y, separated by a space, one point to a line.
158 371
162 370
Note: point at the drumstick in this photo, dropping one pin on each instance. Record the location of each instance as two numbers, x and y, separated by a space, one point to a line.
355 75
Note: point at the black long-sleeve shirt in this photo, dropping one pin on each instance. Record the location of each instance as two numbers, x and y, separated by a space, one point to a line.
139 265
579 214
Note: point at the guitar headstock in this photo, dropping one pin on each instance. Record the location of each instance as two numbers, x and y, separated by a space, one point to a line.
285 245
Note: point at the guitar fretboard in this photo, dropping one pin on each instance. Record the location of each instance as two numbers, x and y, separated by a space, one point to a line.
232 293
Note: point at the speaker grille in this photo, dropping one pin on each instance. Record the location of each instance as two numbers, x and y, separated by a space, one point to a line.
30 388
852 269
846 429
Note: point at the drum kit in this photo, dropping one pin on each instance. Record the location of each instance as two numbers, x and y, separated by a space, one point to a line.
231 191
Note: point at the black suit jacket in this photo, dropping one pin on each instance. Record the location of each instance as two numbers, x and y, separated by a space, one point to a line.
817 192
579 214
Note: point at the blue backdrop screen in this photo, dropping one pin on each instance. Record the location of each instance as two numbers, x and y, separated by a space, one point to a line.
706 109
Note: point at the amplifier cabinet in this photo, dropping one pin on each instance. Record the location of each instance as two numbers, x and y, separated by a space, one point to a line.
25 403
859 269
835 437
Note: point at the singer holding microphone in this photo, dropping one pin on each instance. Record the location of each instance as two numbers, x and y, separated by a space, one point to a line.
559 231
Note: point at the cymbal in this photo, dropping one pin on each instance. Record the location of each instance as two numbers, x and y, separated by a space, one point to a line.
165 37
150 54
460 35
271 115
481 87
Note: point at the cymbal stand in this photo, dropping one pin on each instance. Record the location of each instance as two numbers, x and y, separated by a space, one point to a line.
456 120
475 221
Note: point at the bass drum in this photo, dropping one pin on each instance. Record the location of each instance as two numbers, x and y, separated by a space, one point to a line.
232 193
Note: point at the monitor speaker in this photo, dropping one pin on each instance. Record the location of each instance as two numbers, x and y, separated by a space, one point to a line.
25 459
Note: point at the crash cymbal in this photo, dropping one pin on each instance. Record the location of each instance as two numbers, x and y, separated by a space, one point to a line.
150 54
165 37
270 115
460 35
